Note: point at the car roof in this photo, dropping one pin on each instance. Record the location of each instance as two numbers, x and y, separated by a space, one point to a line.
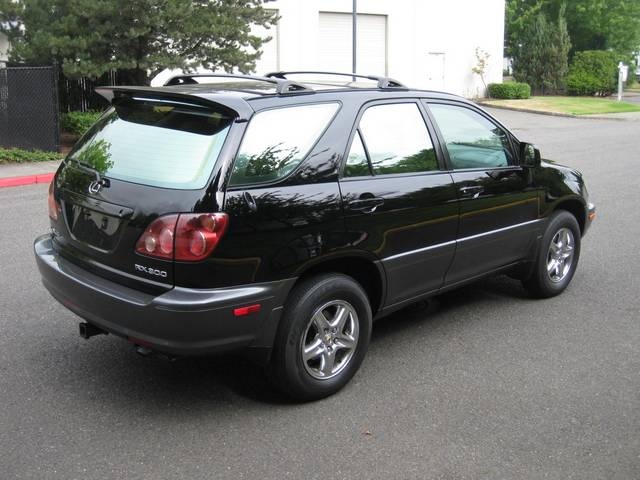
245 93
252 90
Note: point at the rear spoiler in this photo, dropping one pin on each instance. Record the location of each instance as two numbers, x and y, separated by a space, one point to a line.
235 106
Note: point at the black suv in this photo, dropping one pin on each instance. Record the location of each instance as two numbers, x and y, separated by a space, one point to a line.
279 218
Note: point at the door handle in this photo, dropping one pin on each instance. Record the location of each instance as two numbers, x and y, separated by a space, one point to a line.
473 190
249 200
366 205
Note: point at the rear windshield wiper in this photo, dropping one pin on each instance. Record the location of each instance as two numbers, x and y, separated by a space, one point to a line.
83 167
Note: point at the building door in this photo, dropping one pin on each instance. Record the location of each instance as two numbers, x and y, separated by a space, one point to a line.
435 70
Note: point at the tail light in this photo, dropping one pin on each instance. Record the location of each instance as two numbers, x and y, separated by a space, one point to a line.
187 237
198 234
54 208
158 239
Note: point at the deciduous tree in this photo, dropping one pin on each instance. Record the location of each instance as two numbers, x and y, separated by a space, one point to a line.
591 24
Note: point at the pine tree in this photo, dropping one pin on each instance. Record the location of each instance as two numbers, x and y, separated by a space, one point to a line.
541 57
138 38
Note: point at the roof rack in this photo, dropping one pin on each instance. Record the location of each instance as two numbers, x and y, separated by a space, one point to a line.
383 82
282 84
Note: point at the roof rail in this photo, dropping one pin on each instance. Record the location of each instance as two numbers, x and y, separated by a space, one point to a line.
282 84
383 82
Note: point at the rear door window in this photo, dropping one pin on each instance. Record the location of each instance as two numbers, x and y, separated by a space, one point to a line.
158 143
277 140
396 140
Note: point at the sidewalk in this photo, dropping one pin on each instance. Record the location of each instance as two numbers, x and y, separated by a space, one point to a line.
622 116
18 174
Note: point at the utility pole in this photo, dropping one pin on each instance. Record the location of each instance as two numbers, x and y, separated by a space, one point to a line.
623 71
354 23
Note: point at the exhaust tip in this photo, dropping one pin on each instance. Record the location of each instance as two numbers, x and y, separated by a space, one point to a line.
87 330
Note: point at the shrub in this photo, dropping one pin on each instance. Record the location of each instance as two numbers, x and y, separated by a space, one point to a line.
509 90
18 155
593 72
78 123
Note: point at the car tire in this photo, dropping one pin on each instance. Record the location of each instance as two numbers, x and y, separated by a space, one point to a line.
322 338
557 258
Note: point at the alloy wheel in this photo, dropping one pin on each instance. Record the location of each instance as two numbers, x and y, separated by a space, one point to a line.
560 255
330 339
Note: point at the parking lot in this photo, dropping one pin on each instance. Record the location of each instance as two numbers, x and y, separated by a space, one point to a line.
483 383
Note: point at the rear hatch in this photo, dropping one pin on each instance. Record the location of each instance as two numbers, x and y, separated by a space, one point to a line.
145 158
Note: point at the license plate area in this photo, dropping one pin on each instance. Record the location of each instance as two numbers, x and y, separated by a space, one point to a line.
94 222
94 228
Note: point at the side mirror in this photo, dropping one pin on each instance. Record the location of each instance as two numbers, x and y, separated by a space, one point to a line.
529 155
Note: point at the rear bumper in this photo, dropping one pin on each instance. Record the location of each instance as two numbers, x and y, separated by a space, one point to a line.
181 321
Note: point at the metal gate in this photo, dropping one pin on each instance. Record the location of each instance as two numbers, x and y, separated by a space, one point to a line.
29 108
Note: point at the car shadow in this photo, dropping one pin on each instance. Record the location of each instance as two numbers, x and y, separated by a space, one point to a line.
204 382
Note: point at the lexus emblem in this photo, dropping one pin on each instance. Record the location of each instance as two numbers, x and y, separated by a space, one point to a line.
95 186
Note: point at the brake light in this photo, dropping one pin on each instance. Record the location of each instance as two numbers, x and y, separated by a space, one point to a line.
157 239
197 235
54 208
187 237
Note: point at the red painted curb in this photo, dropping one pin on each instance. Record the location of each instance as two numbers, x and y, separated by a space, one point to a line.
26 180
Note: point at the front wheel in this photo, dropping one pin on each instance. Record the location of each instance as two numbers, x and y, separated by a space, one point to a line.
322 338
558 257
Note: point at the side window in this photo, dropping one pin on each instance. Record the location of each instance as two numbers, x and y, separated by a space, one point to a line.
276 141
397 139
471 140
357 164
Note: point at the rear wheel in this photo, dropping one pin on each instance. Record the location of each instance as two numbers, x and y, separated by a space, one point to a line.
558 256
322 338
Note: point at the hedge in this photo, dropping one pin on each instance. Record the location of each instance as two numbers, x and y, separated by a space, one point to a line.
18 155
593 72
78 123
509 90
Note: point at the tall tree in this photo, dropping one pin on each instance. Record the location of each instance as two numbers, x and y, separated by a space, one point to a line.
138 38
541 57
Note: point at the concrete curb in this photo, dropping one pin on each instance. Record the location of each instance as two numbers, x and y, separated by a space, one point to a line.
554 114
527 110
26 180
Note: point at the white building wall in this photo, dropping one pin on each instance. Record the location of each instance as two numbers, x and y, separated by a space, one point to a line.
430 43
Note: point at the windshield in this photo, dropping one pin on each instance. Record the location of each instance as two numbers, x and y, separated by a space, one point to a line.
155 142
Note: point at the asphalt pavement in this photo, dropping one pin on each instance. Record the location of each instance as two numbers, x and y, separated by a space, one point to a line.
485 383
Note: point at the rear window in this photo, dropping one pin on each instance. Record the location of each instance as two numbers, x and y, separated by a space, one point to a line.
276 141
159 143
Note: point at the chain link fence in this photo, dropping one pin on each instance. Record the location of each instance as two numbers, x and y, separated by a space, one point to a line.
29 108
78 94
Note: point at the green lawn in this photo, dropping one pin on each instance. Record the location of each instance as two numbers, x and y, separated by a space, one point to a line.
19 155
570 105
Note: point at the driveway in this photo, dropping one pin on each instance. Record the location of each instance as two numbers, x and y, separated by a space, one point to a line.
485 383
633 97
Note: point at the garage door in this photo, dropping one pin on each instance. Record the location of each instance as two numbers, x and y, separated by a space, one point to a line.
335 43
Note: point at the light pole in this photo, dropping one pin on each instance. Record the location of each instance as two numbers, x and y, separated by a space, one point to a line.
354 23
